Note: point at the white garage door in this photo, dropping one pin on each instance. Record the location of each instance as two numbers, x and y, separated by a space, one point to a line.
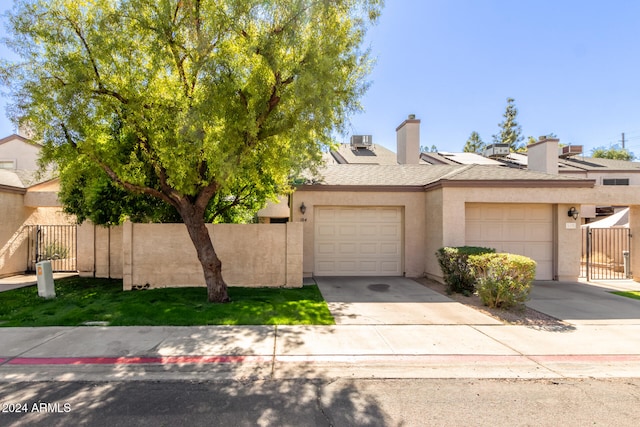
358 241
524 229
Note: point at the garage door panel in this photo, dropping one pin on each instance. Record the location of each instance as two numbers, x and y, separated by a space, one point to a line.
370 230
525 229
326 248
347 248
514 231
326 230
390 249
358 241
493 213
392 231
389 268
491 230
538 213
368 249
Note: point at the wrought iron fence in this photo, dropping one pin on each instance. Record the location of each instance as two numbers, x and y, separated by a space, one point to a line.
606 253
55 243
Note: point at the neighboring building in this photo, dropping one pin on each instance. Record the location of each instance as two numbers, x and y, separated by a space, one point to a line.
27 198
18 152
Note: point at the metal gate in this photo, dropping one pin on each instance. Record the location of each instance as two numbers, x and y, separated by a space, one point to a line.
606 253
56 243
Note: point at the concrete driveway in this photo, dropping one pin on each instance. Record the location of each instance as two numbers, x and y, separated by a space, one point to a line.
586 303
393 301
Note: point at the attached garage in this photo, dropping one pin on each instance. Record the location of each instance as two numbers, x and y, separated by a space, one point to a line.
358 241
524 229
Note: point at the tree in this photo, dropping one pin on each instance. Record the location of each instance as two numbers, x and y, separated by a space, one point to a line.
474 143
202 105
425 149
510 130
615 153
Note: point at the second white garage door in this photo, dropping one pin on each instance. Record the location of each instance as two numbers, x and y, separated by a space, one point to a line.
524 229
358 241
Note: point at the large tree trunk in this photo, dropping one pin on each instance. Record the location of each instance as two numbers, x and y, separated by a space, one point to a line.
211 264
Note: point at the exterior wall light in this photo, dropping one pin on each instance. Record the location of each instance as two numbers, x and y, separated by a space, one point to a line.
303 208
573 212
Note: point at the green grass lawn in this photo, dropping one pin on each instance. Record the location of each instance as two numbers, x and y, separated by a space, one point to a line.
81 300
628 294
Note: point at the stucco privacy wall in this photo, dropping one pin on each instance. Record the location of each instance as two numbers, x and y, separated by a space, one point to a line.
412 203
162 255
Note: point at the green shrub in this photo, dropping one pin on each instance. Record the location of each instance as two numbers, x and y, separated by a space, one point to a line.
503 280
54 251
456 272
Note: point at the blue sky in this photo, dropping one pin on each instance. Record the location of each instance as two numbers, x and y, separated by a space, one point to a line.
573 68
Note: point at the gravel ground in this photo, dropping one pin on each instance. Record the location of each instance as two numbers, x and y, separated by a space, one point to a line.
515 316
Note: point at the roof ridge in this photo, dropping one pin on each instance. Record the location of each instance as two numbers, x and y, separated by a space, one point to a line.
459 169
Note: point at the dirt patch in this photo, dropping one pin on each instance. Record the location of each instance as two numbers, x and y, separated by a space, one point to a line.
516 316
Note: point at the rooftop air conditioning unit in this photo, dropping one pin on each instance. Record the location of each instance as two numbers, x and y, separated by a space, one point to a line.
496 150
570 150
361 141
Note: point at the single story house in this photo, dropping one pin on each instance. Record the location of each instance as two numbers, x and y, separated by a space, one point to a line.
381 219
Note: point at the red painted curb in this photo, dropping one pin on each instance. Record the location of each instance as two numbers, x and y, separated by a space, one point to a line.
162 360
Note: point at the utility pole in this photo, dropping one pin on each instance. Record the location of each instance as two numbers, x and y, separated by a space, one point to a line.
623 140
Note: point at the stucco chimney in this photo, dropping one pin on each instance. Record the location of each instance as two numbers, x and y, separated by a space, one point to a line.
408 141
543 155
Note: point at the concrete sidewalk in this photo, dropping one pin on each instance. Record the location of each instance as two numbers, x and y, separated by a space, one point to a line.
354 351
449 341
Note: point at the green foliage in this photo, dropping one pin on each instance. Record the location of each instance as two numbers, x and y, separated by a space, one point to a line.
510 130
54 251
628 294
503 280
80 300
457 273
615 153
151 108
474 144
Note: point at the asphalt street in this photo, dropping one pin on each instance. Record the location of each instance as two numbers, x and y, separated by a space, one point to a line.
343 402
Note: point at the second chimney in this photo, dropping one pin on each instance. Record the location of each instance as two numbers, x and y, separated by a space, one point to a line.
408 141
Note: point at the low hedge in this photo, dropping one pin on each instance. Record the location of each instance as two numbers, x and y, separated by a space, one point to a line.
456 272
503 280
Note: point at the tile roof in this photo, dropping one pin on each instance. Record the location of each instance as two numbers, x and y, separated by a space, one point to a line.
421 175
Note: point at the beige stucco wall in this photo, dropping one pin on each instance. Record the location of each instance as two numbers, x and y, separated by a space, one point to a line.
434 226
413 204
14 217
634 222
24 155
163 255
43 195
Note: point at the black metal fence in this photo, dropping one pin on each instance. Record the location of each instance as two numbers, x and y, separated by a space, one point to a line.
606 253
56 243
